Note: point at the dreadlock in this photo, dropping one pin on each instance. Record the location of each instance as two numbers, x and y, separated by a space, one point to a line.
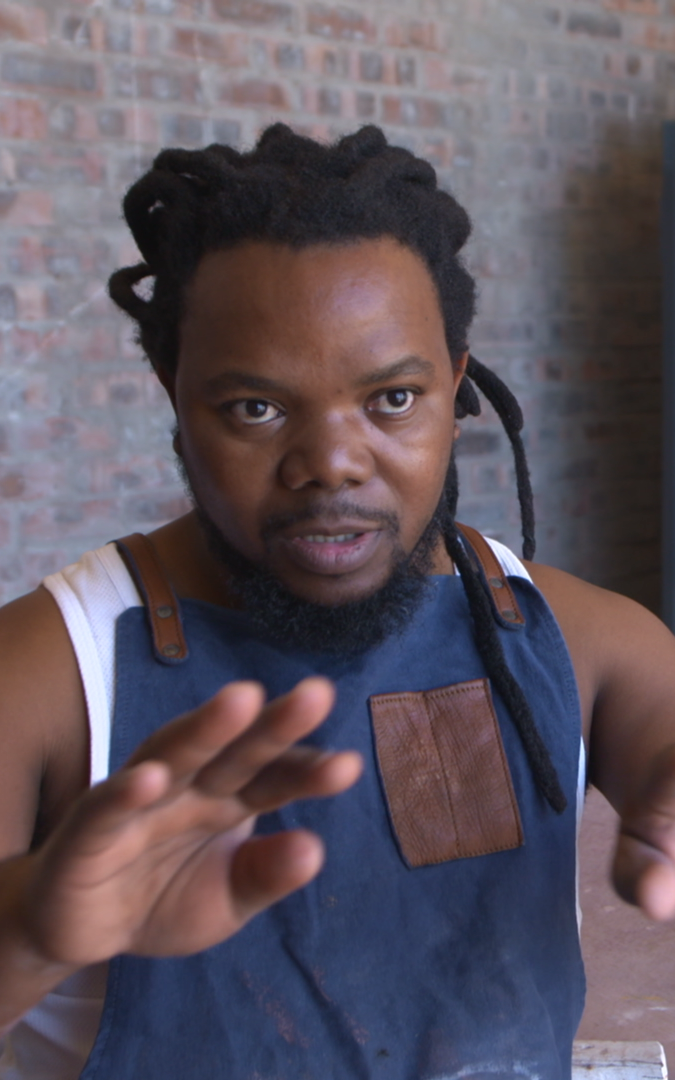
292 190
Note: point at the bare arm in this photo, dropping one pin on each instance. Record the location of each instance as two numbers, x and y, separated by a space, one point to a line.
624 658
157 860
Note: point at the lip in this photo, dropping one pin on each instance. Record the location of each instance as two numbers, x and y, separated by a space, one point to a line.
331 556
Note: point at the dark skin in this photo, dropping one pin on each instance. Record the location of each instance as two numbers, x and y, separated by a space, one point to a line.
315 399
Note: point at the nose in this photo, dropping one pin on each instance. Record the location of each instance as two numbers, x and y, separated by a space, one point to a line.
327 453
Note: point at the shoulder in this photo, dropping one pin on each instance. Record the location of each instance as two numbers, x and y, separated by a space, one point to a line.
43 707
42 717
585 612
612 640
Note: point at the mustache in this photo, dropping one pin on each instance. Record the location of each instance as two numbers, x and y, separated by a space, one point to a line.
330 512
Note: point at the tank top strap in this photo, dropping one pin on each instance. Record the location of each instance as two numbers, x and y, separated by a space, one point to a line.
161 603
500 591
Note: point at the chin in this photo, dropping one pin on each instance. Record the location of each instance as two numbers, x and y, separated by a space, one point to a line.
334 590
338 614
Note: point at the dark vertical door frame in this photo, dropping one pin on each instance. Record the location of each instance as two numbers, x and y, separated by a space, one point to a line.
668 257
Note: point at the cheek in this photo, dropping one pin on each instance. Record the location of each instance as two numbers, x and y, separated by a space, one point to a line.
226 482
423 465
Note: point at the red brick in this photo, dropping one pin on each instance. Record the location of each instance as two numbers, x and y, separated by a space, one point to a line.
418 111
10 569
38 393
255 12
594 24
27 345
95 344
290 57
49 73
414 33
78 30
633 7
25 255
31 301
159 83
631 65
142 125
32 481
653 35
109 390
156 510
39 564
23 23
22 118
365 105
62 434
71 518
141 472
256 92
46 166
183 129
343 23
406 70
5 531
443 75
113 35
438 151
332 62
230 49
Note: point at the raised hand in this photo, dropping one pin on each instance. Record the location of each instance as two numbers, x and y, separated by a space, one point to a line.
644 861
158 860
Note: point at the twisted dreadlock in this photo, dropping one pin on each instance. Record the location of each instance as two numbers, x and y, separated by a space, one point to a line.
292 190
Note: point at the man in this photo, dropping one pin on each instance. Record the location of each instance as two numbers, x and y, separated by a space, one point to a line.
308 320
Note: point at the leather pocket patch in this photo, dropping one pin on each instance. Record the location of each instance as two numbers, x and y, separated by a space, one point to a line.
445 773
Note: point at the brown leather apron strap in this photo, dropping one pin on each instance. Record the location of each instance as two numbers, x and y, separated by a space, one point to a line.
161 603
501 592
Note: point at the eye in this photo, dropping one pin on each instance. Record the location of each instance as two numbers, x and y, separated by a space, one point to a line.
254 411
393 402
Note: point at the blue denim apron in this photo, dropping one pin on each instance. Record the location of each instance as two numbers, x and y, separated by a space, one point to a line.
468 967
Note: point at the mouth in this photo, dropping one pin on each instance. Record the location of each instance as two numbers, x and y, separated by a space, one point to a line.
339 549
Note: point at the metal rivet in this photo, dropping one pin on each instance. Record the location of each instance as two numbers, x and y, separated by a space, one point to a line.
170 650
496 583
509 615
164 612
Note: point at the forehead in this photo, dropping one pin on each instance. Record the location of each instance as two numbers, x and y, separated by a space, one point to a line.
321 299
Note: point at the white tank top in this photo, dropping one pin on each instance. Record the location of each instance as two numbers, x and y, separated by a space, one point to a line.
53 1040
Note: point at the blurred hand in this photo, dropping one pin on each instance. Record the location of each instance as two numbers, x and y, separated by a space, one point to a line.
644 861
159 859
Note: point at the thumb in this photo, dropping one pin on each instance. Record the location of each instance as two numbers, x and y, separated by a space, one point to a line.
643 870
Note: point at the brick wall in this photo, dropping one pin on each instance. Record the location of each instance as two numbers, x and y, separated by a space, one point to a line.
543 116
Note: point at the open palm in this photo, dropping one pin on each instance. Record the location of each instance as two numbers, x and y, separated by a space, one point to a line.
159 860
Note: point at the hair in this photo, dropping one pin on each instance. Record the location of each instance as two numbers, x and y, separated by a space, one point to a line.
292 190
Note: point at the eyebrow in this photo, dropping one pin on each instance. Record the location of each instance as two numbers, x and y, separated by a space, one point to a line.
409 365
243 380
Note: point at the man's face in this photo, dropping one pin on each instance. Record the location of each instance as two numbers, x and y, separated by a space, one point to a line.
315 401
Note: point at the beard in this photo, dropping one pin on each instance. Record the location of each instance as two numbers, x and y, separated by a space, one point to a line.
345 629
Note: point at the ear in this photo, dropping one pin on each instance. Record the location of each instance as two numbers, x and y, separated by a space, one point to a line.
168 381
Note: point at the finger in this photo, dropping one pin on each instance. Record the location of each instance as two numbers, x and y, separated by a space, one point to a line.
109 806
280 724
644 876
268 868
193 739
654 806
302 773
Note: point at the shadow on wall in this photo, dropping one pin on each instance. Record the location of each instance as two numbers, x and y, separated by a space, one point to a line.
589 377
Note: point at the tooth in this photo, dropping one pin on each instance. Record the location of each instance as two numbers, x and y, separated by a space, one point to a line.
331 539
